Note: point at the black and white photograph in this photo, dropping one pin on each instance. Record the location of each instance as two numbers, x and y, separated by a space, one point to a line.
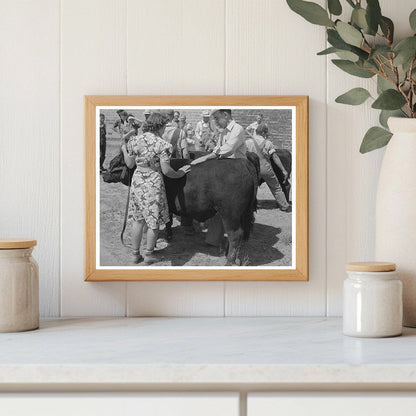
195 187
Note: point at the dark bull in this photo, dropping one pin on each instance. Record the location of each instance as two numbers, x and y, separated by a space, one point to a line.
224 186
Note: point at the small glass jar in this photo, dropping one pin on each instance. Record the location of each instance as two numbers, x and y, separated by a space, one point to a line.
372 300
19 286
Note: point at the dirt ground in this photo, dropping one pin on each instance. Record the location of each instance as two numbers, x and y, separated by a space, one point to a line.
270 243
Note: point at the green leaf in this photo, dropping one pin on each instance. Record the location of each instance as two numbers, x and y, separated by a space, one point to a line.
335 40
352 68
356 96
412 20
387 27
358 18
351 3
381 50
370 64
311 12
348 56
389 100
375 138
328 51
386 114
373 15
405 50
349 34
383 84
334 7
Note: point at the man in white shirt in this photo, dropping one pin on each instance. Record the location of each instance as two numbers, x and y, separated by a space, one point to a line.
231 144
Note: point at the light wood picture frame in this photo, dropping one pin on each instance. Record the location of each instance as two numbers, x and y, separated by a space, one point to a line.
104 211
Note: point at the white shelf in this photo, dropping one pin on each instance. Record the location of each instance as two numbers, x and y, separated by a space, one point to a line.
192 353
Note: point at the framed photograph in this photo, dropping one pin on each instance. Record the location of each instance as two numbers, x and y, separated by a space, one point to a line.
196 188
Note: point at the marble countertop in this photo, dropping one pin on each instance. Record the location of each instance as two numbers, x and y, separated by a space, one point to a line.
274 352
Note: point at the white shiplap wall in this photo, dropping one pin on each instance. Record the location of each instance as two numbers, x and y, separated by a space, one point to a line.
30 135
55 52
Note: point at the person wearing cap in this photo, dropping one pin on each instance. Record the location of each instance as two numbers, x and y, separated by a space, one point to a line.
203 132
251 129
146 114
176 116
186 127
231 144
121 126
183 125
264 149
190 138
134 125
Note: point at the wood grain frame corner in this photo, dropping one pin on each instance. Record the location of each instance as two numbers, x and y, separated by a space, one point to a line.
301 273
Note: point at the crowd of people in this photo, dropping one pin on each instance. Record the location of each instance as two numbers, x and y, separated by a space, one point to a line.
149 145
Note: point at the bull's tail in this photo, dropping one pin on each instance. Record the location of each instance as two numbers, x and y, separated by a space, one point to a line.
247 219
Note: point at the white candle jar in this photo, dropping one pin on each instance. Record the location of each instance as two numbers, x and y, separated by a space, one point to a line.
19 286
372 300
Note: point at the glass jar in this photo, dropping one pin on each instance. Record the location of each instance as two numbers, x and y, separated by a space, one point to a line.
19 286
372 300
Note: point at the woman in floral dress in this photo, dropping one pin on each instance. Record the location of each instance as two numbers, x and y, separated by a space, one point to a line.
148 202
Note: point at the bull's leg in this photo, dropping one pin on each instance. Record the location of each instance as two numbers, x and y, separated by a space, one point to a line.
235 239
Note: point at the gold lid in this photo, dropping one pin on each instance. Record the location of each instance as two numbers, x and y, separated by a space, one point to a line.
371 266
11 243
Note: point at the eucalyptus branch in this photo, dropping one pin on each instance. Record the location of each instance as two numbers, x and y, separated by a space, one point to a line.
381 35
406 97
368 34
380 63
364 49
395 71
412 83
384 73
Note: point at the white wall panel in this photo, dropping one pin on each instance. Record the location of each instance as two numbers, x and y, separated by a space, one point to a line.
54 53
29 143
175 299
93 56
352 177
272 51
175 47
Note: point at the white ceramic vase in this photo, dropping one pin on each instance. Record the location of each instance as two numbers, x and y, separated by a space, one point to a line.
396 210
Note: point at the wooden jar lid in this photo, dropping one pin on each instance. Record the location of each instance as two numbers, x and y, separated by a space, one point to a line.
371 266
11 243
